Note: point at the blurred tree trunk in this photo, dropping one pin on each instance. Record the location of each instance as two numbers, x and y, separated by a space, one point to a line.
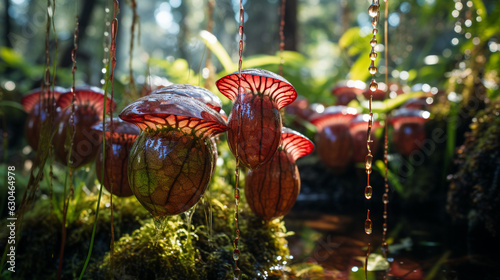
6 24
83 20
291 25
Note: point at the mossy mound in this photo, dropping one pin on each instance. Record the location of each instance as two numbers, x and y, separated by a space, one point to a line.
38 248
474 192
199 245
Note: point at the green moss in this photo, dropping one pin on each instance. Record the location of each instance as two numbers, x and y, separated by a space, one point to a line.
475 188
193 248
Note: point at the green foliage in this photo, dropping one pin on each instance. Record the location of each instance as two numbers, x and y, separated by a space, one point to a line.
357 46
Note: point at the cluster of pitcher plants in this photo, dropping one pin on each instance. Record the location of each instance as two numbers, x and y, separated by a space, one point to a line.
163 146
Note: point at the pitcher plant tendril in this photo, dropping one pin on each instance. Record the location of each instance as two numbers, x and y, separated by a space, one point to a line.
106 109
72 139
282 35
236 251
373 12
135 21
385 196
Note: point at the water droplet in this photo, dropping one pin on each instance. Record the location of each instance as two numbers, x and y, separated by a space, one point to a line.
368 192
373 85
237 273
374 31
385 198
372 70
385 249
237 193
373 55
368 161
373 42
375 21
384 226
236 254
368 226
373 10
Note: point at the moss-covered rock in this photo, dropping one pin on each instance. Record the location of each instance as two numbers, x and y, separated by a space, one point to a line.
474 192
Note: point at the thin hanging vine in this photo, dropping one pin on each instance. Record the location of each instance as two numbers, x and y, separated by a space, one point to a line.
282 35
107 82
236 251
385 196
373 12
72 135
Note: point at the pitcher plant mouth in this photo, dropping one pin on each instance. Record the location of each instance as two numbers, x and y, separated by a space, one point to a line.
261 82
89 107
201 94
39 105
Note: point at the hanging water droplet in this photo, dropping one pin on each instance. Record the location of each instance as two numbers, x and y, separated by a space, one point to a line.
368 161
384 226
373 10
373 42
374 31
385 198
385 249
373 55
368 226
372 70
236 254
237 193
237 273
373 85
368 192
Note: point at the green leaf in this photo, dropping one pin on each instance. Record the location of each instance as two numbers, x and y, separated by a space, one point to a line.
349 37
379 166
11 104
11 57
392 103
359 70
218 50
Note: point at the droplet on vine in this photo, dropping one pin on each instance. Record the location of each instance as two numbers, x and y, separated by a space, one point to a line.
237 273
372 70
373 10
368 192
373 86
385 198
373 42
385 249
236 254
368 161
374 31
384 226
368 226
373 55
